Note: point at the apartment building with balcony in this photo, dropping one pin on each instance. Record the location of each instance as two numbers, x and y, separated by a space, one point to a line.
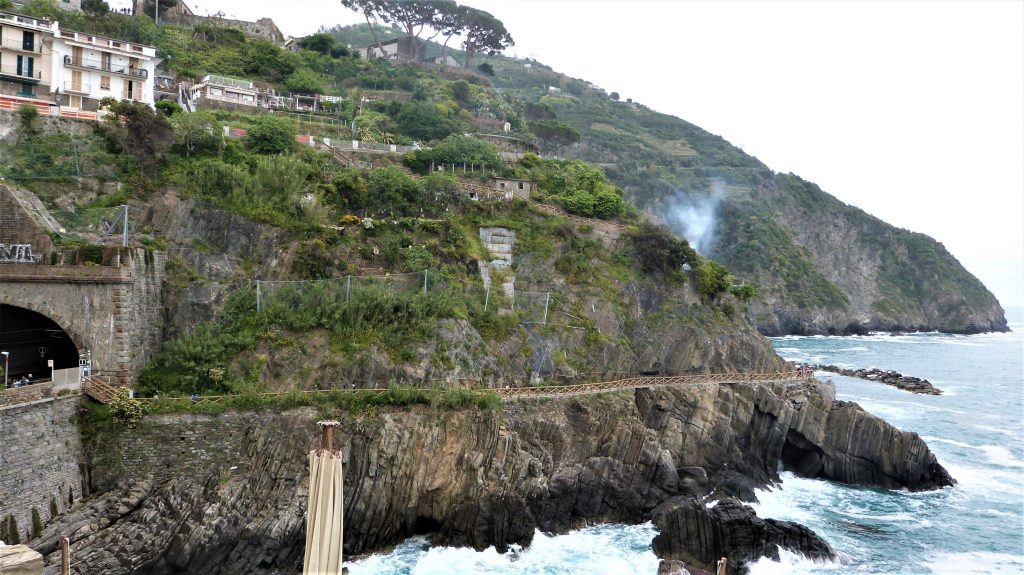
91 67
224 89
25 55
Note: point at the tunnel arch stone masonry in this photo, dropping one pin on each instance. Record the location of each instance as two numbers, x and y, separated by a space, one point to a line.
113 312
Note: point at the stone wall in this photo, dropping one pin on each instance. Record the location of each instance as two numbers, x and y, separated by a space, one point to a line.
115 313
184 447
139 309
23 220
39 461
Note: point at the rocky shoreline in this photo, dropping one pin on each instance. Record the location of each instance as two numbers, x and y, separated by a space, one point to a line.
888 377
226 494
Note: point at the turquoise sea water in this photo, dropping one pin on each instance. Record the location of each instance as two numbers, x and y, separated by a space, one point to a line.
976 429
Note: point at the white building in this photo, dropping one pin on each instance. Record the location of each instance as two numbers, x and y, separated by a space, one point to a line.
87 68
225 89
24 70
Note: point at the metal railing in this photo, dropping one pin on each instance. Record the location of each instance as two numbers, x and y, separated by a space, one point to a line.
106 66
25 22
21 72
19 44
102 42
545 392
78 87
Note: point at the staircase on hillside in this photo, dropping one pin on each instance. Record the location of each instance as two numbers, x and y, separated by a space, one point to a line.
499 243
99 390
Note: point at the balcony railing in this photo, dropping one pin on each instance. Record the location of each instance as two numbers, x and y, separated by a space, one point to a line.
107 43
91 64
19 44
20 21
21 74
77 88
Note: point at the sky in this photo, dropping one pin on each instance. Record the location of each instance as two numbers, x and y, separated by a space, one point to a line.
912 111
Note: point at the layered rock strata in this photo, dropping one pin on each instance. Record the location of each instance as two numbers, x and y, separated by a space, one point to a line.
227 494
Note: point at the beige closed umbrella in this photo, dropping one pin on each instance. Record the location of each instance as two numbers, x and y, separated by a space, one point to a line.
326 506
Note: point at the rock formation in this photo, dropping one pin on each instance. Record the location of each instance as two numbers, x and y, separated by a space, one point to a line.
698 535
226 494
888 377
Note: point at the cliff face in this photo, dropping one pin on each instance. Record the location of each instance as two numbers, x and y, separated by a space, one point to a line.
827 267
821 266
638 324
227 494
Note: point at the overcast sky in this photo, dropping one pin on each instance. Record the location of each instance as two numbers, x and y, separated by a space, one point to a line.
913 111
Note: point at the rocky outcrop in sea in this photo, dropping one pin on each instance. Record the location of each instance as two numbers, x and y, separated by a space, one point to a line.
227 493
888 377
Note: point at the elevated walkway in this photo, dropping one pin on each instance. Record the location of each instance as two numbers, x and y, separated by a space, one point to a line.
558 391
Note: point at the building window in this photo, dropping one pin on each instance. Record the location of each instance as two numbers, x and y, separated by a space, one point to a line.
104 82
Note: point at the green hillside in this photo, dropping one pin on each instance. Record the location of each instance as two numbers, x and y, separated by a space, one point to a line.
823 266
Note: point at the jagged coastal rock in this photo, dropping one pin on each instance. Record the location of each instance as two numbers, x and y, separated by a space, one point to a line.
226 494
888 377
698 535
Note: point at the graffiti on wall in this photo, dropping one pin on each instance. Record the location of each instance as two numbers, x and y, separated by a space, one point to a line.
18 254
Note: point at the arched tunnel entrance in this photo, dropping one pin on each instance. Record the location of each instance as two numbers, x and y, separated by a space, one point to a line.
31 339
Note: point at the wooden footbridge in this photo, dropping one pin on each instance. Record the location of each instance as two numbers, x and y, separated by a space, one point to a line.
104 392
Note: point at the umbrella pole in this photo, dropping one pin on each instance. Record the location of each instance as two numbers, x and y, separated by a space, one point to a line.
326 503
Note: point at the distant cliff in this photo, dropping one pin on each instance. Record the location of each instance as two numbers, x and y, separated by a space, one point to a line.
821 266
827 267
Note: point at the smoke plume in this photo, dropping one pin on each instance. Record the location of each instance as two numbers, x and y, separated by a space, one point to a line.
695 217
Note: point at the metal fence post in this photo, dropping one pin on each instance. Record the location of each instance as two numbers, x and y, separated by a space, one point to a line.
259 298
424 282
348 289
487 297
547 300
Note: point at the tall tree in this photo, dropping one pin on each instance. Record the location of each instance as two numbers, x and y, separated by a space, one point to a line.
369 8
413 16
484 33
450 21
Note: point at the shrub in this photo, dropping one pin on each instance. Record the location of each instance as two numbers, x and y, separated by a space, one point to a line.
712 279
660 251
198 133
125 410
554 134
424 121
321 42
271 135
744 292
37 524
456 149
392 191
13 537
27 117
169 107
417 258
579 202
303 81
608 202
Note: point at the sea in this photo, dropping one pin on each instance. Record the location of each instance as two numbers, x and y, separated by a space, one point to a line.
975 428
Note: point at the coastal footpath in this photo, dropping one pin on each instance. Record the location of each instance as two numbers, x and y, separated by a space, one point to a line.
227 493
